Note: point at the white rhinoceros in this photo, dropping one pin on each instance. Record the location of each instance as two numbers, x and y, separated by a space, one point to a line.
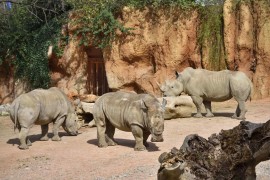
205 86
42 107
142 114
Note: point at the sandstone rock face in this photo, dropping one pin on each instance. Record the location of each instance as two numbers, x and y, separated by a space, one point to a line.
246 36
162 41
69 72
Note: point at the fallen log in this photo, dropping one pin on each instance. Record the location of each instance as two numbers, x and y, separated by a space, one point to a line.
231 154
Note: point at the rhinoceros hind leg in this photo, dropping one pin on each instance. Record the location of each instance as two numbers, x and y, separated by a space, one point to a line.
243 110
44 132
208 108
110 130
240 111
101 136
198 115
28 142
23 147
140 148
56 138
236 113
110 141
23 136
102 144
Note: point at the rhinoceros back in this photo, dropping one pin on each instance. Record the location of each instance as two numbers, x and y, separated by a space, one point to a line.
43 106
53 103
120 108
212 86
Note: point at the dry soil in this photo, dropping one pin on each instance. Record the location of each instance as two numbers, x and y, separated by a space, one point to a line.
79 157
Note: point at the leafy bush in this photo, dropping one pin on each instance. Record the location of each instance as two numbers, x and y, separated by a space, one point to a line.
99 25
26 31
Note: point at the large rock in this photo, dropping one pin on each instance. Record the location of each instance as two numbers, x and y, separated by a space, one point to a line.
4 109
178 107
84 111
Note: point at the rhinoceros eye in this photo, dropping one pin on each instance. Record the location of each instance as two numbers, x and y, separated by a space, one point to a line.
157 116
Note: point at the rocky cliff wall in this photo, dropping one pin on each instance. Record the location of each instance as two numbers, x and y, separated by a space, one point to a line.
162 42
247 41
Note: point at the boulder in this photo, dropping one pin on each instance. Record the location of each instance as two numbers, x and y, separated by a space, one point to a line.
4 109
178 107
85 113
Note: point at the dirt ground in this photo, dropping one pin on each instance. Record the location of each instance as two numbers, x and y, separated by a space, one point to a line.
79 157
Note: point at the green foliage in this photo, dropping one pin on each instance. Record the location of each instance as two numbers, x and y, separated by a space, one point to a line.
31 55
211 33
97 20
26 31
105 27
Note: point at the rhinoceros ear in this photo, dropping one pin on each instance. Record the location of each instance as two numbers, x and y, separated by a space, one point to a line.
176 74
143 105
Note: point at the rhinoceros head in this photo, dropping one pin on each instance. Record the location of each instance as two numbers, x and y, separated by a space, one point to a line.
155 113
70 125
172 87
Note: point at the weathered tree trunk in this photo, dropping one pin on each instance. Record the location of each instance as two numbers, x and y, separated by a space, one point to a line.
231 154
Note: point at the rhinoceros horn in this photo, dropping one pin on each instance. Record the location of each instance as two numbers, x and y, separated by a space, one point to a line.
159 85
164 102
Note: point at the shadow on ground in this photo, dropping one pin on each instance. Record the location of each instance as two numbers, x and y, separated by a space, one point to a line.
128 143
218 114
33 138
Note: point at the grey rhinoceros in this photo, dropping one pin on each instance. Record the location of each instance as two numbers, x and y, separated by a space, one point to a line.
42 107
205 86
142 114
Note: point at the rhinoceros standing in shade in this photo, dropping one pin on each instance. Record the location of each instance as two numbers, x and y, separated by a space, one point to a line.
142 114
42 107
205 86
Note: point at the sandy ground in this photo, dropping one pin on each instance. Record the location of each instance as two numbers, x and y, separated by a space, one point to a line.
79 157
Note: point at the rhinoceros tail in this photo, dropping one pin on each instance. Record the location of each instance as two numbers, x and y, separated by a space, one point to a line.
251 90
16 108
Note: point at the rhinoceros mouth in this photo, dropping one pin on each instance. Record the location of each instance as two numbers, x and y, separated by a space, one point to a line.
71 133
157 138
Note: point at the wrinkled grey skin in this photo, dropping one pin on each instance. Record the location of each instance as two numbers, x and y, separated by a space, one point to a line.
42 107
142 114
205 86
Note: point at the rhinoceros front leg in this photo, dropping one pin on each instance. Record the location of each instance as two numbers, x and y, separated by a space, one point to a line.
57 123
44 132
138 135
145 137
23 137
198 103
208 108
